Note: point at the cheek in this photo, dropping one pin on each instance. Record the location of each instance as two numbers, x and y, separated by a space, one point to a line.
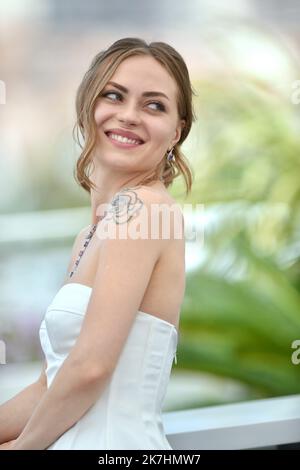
161 133
100 114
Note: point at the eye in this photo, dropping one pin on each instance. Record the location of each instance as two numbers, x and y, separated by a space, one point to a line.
111 93
161 107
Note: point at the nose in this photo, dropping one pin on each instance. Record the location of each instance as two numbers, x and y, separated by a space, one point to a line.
129 114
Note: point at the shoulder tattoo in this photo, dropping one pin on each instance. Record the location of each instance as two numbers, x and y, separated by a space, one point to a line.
124 206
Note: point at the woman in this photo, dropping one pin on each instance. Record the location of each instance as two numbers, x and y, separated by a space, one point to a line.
110 334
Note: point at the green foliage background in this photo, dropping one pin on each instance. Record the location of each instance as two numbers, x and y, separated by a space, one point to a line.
242 306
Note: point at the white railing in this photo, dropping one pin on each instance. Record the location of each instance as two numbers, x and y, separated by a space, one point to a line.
43 225
61 224
247 425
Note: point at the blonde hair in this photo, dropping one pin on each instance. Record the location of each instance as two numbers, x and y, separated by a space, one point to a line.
99 73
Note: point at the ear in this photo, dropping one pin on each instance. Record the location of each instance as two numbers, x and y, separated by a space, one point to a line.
180 126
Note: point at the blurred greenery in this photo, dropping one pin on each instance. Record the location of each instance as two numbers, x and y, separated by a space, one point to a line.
242 306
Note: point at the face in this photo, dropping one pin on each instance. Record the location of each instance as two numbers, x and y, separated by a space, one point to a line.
153 119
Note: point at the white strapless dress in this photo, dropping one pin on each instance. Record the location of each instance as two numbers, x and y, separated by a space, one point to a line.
128 413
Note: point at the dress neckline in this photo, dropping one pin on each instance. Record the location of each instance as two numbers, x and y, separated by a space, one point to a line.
140 311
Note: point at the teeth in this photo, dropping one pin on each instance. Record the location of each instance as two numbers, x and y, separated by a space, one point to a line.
123 139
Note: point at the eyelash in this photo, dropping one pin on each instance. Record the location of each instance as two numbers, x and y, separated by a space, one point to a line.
161 106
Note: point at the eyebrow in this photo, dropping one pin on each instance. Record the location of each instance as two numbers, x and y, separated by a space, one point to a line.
146 93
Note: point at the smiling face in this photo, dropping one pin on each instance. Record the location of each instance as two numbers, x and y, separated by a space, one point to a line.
128 105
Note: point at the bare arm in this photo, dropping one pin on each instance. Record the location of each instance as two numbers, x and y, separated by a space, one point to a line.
15 413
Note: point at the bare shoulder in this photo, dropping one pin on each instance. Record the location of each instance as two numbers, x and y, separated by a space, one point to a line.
130 203
154 203
172 213
142 195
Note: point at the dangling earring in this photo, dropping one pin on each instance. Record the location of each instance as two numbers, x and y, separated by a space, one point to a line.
171 156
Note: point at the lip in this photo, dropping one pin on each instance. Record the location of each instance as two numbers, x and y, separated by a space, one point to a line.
123 133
